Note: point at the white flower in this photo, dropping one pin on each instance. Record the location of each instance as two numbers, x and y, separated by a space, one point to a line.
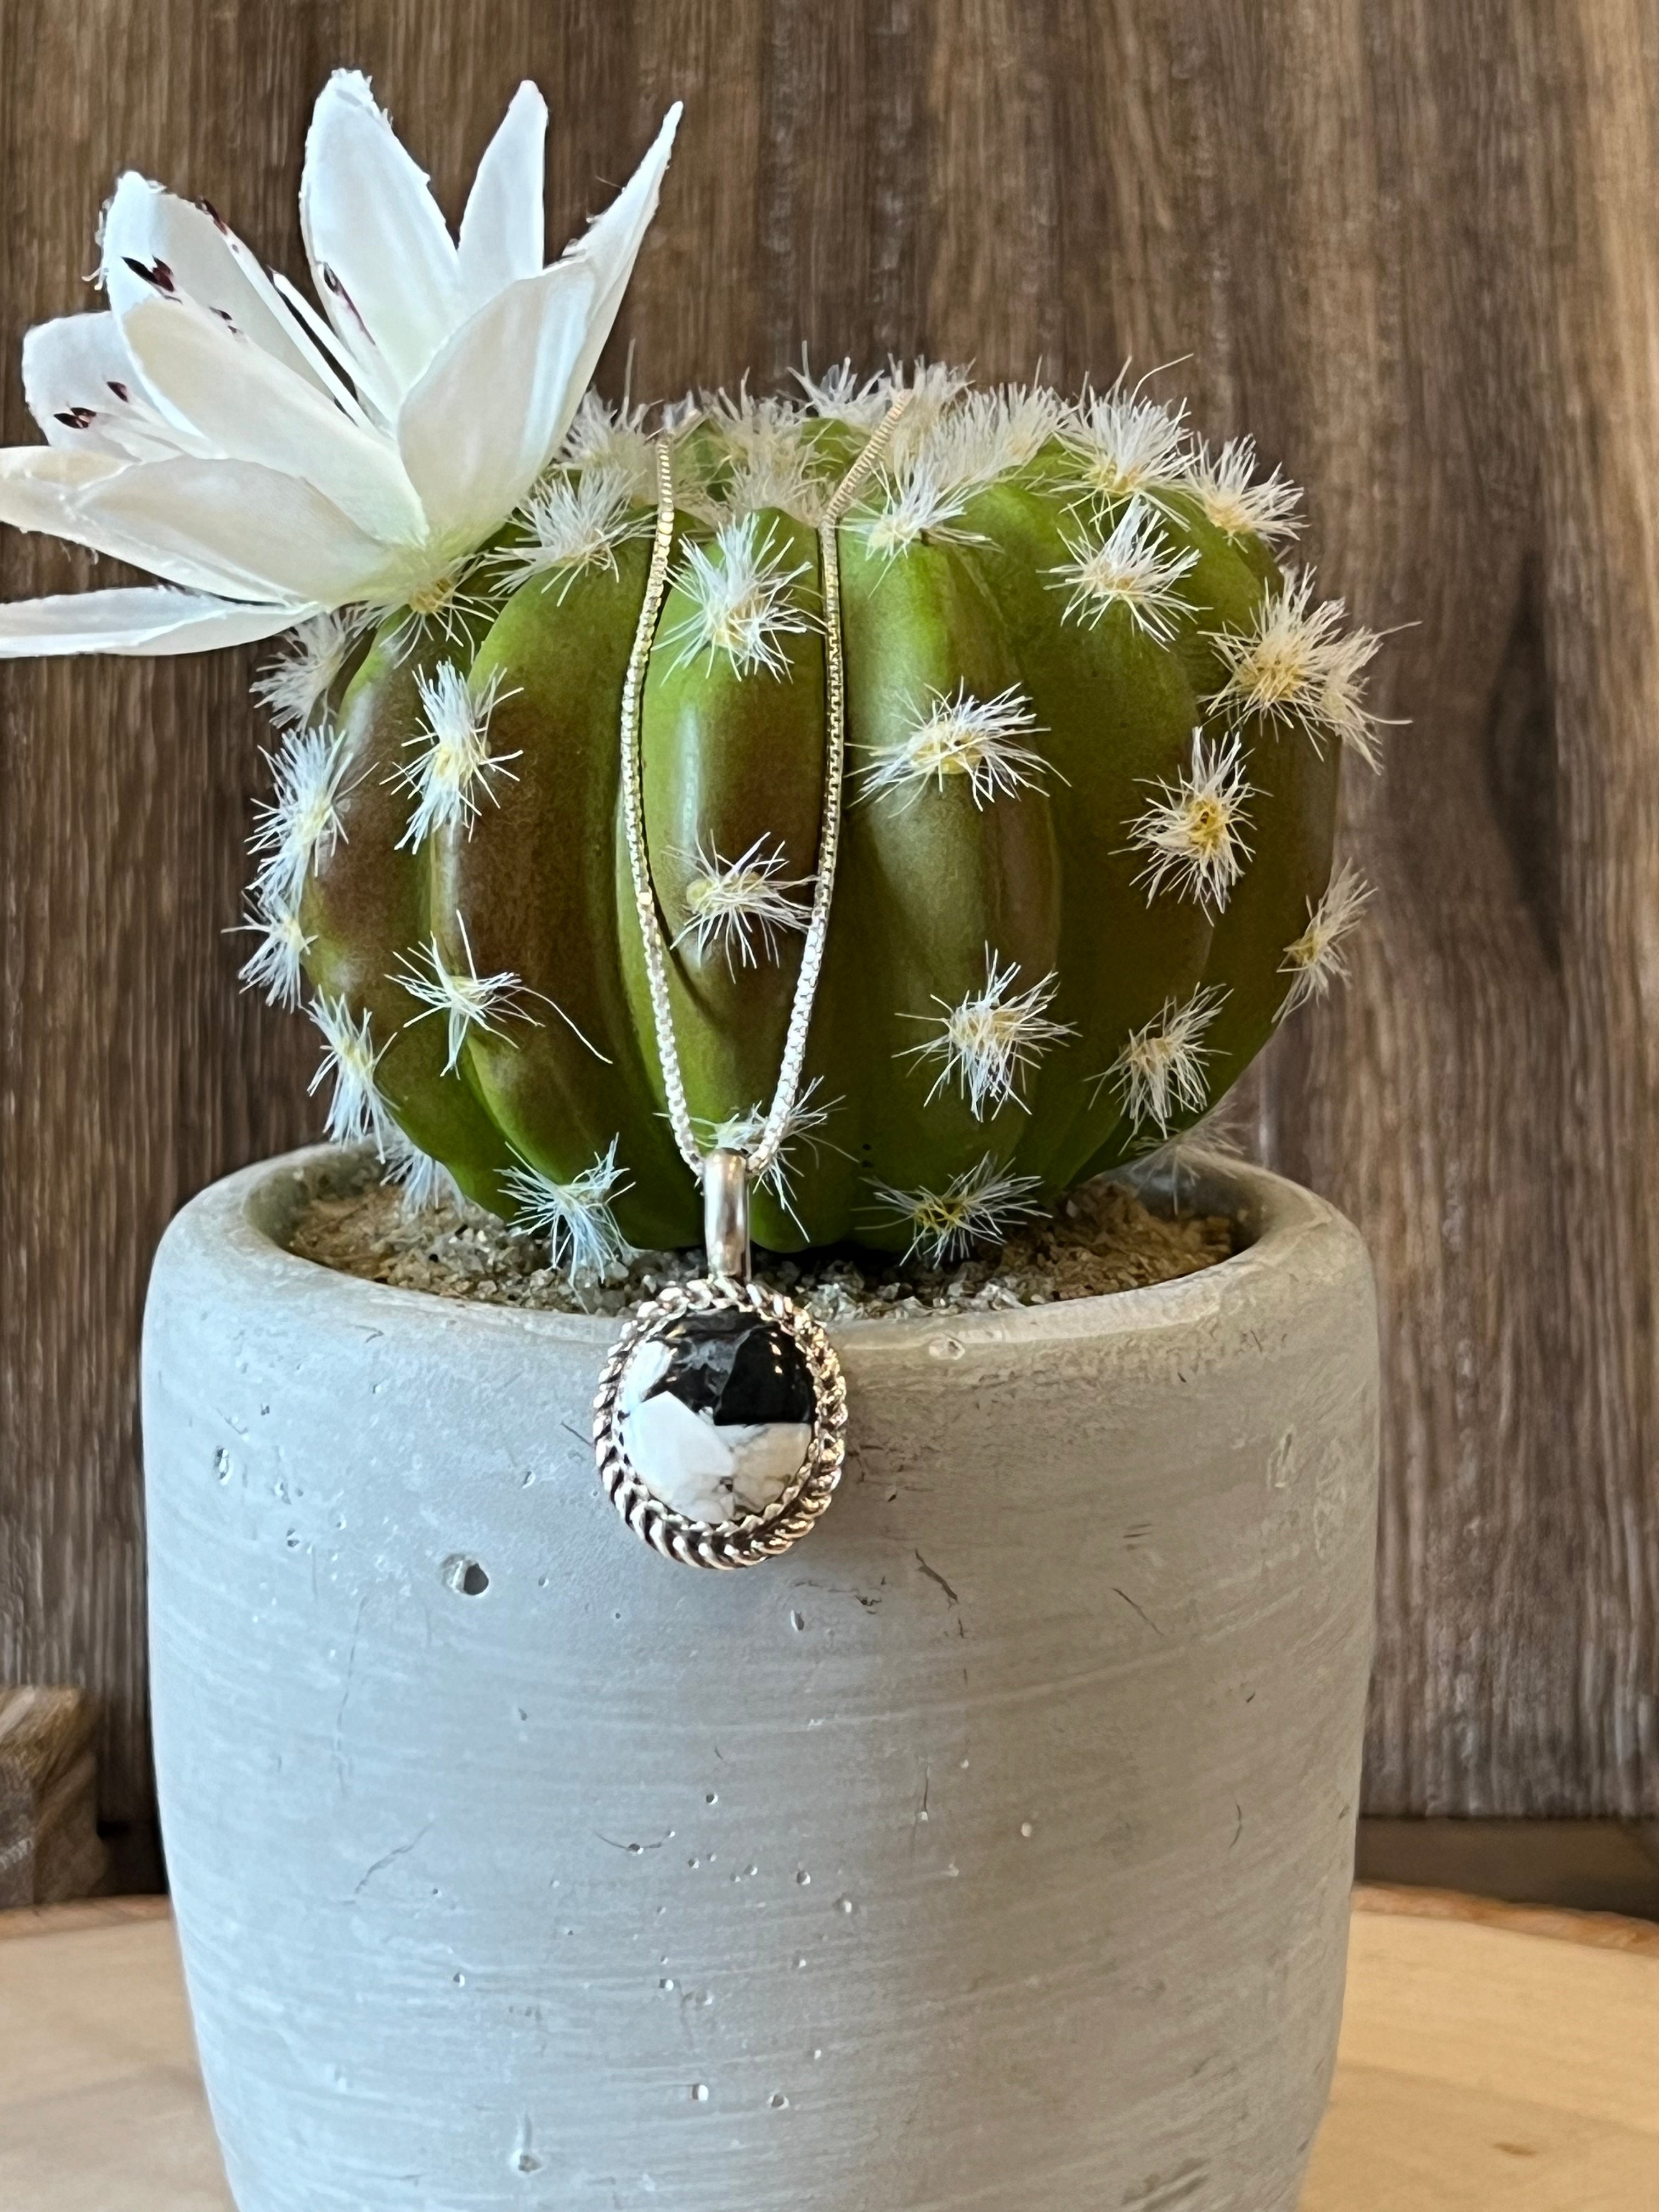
270 462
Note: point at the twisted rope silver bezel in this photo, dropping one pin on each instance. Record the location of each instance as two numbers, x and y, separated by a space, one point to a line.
757 1536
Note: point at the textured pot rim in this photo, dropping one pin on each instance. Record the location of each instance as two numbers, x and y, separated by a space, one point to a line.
241 1223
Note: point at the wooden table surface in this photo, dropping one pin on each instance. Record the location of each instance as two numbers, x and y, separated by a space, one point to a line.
1492 2057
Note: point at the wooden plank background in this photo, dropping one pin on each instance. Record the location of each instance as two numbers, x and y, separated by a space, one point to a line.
1413 244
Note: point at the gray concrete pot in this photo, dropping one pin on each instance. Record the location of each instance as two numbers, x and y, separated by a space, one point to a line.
991 1850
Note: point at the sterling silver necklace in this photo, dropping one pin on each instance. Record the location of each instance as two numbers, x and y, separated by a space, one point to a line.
719 1425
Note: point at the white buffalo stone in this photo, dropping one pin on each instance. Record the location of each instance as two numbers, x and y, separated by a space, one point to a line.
684 1406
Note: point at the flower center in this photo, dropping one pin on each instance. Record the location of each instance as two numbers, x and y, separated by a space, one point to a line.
432 598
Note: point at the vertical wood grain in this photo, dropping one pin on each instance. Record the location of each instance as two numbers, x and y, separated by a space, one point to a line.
1409 243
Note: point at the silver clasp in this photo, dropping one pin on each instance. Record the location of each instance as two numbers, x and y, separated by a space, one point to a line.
726 1214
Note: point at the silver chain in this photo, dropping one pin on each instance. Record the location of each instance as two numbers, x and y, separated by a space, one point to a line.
775 1128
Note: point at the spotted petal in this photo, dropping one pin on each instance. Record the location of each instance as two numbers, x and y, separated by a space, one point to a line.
154 242
382 261
248 406
84 392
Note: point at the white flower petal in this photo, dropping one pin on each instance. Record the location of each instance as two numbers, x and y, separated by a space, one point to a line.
133 620
253 409
486 418
80 386
482 424
377 392
376 396
504 231
381 255
40 488
612 243
154 242
271 535
307 335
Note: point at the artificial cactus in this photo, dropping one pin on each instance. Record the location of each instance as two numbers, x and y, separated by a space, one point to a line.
1094 741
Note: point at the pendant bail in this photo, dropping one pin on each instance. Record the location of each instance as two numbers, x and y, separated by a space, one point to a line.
726 1214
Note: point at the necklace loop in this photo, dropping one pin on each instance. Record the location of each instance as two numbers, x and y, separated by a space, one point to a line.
726 1214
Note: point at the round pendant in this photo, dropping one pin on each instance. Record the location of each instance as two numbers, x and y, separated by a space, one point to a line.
720 1423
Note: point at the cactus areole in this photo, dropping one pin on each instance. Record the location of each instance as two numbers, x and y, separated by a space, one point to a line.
1093 739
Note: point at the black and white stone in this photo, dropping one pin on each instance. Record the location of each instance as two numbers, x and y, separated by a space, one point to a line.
716 1411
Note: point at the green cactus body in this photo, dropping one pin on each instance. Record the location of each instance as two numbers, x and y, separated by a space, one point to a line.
367 912
1094 740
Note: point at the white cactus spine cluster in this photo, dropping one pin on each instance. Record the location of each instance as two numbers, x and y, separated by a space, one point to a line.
983 739
453 770
989 1044
357 1115
982 1205
1318 957
742 908
1160 1072
465 999
572 523
744 601
1194 830
576 1217
1127 564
